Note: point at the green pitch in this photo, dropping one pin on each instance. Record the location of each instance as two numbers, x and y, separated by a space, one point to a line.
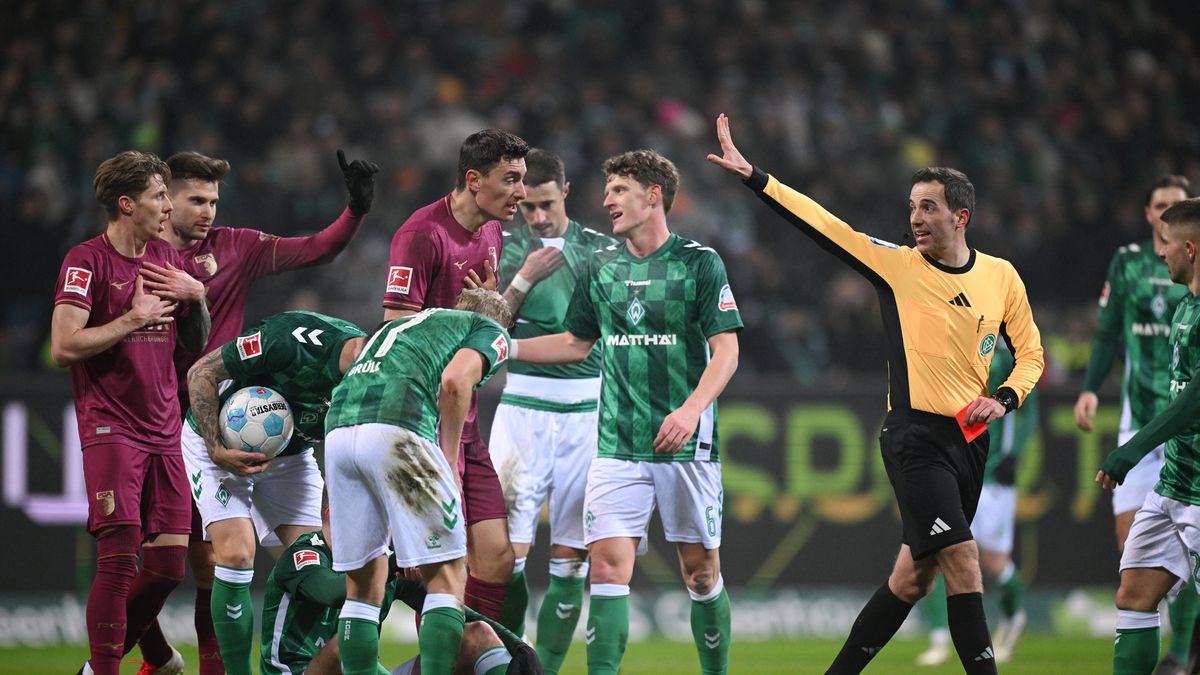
1036 655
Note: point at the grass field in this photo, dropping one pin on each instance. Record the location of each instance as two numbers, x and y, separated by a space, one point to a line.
1036 655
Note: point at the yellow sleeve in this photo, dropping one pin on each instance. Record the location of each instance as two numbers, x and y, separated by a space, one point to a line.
1023 335
873 258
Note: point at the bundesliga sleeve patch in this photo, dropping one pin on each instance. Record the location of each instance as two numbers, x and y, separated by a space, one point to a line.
78 280
726 302
399 279
305 558
1103 295
250 346
501 347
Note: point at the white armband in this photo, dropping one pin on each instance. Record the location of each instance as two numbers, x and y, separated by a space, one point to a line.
521 284
512 350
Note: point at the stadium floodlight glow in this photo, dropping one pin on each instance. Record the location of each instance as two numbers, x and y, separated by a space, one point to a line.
70 507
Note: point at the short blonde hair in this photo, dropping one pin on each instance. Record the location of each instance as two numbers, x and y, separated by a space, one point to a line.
487 303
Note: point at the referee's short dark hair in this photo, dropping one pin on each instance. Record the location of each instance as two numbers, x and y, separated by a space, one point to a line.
1169 181
483 150
1185 213
960 193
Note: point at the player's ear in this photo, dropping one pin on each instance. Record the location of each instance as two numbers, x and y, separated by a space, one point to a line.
566 189
655 195
125 204
474 178
962 218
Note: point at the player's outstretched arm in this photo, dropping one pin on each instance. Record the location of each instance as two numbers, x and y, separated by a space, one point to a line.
1172 421
677 428
204 379
558 348
72 341
360 182
731 159
459 378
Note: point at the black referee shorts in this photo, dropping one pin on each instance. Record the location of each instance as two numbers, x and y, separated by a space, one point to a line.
936 475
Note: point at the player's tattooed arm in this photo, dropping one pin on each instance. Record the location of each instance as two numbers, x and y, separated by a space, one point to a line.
204 381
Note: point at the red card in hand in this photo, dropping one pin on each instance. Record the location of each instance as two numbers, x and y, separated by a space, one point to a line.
970 431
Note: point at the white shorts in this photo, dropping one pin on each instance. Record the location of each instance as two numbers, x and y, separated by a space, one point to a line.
287 493
540 454
383 476
621 495
1165 533
995 518
1140 480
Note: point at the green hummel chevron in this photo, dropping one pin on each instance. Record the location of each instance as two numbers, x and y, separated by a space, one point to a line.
449 509
302 371
196 493
653 316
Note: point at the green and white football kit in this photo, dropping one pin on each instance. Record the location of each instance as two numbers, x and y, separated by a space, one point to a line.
654 316
1135 310
383 463
296 354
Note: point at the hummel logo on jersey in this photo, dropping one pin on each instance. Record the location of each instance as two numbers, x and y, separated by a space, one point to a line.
233 611
564 610
312 335
939 526
591 635
960 300
712 641
985 654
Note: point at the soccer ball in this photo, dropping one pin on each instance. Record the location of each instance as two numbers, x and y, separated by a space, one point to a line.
256 419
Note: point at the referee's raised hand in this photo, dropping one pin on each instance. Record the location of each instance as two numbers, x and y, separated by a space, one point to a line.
731 160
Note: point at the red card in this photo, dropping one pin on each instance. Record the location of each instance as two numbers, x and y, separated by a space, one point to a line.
972 431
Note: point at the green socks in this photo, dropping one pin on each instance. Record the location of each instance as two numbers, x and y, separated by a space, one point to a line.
1135 651
1182 614
233 617
711 628
1010 593
608 628
516 600
933 606
560 611
358 638
441 633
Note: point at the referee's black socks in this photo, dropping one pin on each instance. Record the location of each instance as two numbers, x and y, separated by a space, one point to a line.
968 629
878 621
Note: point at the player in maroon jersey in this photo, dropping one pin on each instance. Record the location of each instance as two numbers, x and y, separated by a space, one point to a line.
227 260
434 252
122 303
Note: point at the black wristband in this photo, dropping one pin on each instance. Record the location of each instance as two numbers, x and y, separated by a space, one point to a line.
1007 398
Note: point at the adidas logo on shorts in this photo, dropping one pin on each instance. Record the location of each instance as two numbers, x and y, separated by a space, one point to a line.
939 526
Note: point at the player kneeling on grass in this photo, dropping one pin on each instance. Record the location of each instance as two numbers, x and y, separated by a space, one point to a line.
301 355
1164 541
385 469
300 616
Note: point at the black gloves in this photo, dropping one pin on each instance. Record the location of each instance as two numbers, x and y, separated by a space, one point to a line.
360 182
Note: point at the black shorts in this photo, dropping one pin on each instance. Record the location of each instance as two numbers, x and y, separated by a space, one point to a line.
937 477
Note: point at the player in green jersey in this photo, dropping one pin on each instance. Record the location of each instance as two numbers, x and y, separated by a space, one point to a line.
544 430
386 469
992 527
1162 550
301 355
300 614
1135 308
662 307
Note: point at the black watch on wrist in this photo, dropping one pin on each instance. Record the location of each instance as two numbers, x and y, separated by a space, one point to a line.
1007 398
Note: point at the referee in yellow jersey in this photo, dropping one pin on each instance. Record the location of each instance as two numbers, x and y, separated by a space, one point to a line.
944 306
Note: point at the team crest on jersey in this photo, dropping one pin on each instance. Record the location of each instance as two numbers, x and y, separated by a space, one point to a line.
108 503
399 279
250 346
78 281
1104 295
208 262
495 258
987 344
501 347
1159 306
726 302
305 558
635 312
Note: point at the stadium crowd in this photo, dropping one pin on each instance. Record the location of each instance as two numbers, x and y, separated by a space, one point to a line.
1061 112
